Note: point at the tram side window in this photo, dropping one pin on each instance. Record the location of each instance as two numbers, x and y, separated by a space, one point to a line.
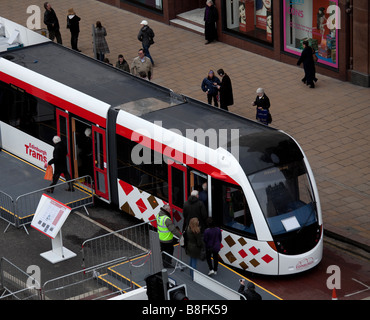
230 208
150 175
27 113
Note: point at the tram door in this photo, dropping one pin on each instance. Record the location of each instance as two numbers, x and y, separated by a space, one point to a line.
201 182
177 191
100 162
82 150
63 133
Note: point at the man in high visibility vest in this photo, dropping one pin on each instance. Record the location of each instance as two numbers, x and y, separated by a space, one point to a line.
166 231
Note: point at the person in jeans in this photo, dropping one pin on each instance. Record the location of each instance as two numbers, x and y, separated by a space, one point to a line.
146 36
194 244
212 239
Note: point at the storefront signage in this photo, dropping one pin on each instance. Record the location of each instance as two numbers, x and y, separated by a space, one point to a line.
318 22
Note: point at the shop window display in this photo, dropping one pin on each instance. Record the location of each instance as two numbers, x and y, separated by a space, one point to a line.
316 21
154 4
250 18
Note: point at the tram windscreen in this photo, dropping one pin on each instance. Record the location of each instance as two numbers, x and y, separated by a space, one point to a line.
285 196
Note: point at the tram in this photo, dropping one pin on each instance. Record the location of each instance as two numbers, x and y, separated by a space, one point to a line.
146 146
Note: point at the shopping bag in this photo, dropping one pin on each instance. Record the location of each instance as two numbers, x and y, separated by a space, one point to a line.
49 173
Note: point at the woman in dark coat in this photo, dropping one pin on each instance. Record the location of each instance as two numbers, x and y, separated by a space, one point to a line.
308 65
73 24
210 19
194 243
226 90
262 104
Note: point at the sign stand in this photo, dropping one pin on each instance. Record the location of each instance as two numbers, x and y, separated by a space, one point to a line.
58 253
49 218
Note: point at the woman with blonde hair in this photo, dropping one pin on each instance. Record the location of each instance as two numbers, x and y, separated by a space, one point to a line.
195 246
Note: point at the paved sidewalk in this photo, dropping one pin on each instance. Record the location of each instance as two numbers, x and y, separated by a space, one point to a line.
330 122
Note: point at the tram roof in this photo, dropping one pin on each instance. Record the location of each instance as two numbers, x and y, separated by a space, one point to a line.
257 143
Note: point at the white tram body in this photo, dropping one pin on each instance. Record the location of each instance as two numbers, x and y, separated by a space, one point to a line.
151 147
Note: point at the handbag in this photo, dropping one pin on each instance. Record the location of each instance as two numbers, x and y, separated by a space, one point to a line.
184 239
49 173
314 56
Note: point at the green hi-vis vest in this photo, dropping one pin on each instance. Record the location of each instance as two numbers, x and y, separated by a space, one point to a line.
164 233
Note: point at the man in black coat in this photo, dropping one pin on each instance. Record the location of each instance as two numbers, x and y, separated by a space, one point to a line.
226 90
308 65
60 164
52 23
194 208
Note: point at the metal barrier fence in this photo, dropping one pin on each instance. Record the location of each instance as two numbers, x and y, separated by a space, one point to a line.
125 257
101 254
17 284
20 212
127 242
79 285
193 276
7 209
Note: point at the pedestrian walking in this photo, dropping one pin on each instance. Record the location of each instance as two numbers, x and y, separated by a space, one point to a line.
146 36
210 20
194 208
249 293
262 104
142 63
101 45
307 58
166 231
209 86
226 90
212 238
73 24
52 23
195 247
60 164
122 63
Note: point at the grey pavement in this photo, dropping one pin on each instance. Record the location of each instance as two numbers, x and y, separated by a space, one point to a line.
330 122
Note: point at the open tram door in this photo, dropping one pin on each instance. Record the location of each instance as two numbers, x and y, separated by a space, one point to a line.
177 191
202 182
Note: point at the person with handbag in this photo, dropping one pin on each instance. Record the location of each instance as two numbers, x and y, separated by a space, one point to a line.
262 104
59 161
195 247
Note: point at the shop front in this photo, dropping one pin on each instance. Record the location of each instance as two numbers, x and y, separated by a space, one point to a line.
338 30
